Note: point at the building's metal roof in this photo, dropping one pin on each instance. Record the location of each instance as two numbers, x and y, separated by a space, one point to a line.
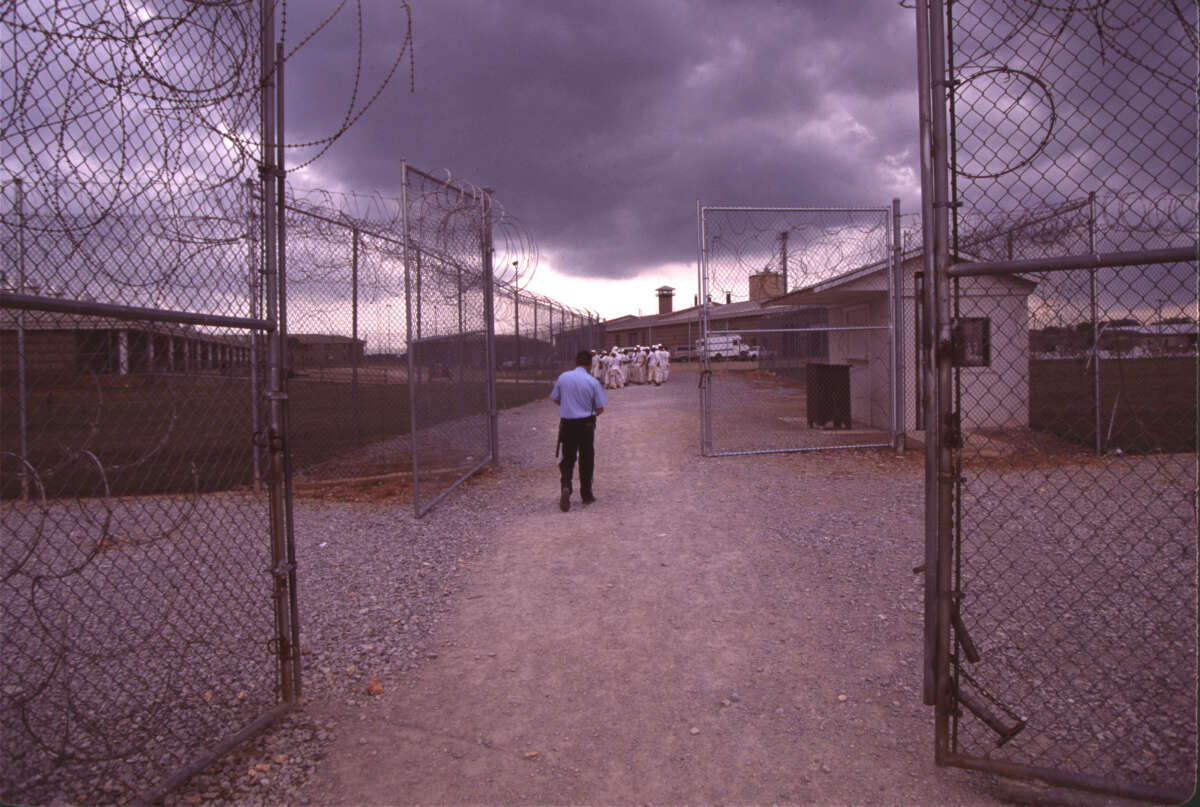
823 287
57 321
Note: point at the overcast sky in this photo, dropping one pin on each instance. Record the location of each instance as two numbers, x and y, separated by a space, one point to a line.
600 124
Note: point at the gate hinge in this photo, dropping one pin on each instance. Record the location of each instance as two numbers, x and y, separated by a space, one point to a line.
283 569
270 171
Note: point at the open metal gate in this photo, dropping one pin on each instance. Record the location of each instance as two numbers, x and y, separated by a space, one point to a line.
147 571
450 330
799 321
1059 357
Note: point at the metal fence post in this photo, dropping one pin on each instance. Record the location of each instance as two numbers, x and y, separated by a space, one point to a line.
291 648
253 254
354 239
896 332
275 395
702 328
783 258
417 259
932 670
1095 325
517 330
409 346
939 454
489 324
22 366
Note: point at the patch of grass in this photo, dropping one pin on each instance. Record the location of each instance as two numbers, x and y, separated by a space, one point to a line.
176 434
1146 404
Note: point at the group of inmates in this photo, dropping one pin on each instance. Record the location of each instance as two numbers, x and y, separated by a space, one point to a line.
642 365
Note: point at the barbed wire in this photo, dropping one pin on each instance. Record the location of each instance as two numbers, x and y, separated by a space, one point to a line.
515 258
117 107
54 698
1017 45
820 245
352 115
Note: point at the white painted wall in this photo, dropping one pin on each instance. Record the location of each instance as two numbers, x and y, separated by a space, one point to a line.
992 397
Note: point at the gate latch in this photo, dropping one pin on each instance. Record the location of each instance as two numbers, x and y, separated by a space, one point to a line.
971 342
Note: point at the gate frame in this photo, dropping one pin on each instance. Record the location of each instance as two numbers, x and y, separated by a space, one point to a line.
412 250
943 442
895 348
267 319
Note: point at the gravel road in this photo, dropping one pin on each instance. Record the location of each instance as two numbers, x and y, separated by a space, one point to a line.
742 629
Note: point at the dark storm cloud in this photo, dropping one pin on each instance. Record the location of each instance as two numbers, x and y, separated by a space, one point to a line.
599 125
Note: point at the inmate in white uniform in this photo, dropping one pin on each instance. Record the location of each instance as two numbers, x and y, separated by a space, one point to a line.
639 367
616 373
652 366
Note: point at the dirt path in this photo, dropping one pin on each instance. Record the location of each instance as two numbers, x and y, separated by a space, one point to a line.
726 630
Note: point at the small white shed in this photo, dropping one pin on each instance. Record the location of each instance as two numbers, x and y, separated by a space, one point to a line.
996 396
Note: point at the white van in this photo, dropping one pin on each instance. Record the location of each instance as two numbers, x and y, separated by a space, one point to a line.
721 347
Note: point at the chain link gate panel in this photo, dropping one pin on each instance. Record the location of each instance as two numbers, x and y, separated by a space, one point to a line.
348 388
797 345
1061 359
145 595
448 253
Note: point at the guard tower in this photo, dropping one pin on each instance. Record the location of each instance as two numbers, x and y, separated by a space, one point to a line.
665 297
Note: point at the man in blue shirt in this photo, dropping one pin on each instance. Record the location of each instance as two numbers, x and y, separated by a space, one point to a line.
580 398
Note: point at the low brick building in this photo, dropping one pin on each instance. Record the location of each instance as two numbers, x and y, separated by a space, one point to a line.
679 330
70 344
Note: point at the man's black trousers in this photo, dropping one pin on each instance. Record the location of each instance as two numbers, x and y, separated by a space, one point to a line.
578 435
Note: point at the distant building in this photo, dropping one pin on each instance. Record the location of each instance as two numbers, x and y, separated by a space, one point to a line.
70 344
679 330
323 350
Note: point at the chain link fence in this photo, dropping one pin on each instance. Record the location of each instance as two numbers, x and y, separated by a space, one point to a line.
1066 548
361 326
144 629
798 346
147 347
347 385
537 337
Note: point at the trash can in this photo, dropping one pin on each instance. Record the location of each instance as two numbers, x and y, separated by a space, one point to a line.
828 395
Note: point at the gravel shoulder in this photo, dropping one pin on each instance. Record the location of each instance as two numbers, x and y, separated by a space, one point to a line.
741 629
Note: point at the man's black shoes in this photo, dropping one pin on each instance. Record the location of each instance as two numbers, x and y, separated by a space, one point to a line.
564 500
589 499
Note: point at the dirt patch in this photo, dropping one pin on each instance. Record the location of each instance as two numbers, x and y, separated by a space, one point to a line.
745 629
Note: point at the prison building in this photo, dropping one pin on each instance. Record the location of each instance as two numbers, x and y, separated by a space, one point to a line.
679 330
58 345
